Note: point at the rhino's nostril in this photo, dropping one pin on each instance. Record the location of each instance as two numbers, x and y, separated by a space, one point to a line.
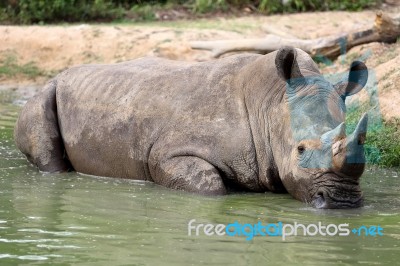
320 201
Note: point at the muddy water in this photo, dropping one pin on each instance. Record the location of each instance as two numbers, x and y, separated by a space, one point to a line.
70 218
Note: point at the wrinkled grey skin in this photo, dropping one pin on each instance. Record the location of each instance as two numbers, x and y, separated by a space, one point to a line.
236 123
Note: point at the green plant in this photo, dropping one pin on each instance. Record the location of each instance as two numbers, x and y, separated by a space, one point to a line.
47 11
382 145
143 12
42 11
203 6
351 5
278 6
270 6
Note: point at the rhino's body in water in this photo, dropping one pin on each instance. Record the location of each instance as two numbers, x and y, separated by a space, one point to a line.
249 122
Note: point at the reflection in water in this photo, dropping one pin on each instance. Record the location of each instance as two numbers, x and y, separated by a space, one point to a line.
77 219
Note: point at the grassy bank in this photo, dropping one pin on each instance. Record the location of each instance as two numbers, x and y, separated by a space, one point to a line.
51 11
382 145
11 68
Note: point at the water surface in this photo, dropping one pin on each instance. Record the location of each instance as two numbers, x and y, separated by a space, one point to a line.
63 219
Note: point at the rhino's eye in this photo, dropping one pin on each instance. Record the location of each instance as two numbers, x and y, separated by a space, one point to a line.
301 149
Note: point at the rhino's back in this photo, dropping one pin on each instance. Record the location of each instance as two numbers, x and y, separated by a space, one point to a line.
110 116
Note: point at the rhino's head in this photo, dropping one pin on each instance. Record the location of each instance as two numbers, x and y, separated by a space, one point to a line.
322 165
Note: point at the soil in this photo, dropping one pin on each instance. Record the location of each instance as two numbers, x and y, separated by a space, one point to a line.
54 48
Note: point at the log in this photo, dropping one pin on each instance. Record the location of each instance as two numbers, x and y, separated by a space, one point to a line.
385 29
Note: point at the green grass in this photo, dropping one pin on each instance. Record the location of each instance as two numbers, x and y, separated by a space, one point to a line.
58 11
382 146
204 6
9 67
214 24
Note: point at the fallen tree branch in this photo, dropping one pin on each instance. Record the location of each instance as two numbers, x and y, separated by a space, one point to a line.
385 29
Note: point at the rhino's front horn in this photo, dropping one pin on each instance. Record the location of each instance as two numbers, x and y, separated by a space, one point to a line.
348 153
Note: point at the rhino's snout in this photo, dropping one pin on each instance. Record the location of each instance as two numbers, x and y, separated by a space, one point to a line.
325 200
340 188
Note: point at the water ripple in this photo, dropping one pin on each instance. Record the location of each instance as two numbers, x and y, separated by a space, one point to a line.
58 246
40 231
4 240
28 257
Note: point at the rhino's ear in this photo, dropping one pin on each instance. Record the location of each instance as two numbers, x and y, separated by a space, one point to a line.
286 63
358 77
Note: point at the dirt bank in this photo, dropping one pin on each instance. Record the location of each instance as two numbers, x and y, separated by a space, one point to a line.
50 49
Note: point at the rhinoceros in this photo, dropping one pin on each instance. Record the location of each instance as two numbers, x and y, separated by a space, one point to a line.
242 123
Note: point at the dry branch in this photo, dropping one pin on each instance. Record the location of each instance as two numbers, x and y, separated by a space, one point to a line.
385 29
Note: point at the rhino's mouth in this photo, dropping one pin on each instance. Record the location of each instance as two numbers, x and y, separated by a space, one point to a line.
337 194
